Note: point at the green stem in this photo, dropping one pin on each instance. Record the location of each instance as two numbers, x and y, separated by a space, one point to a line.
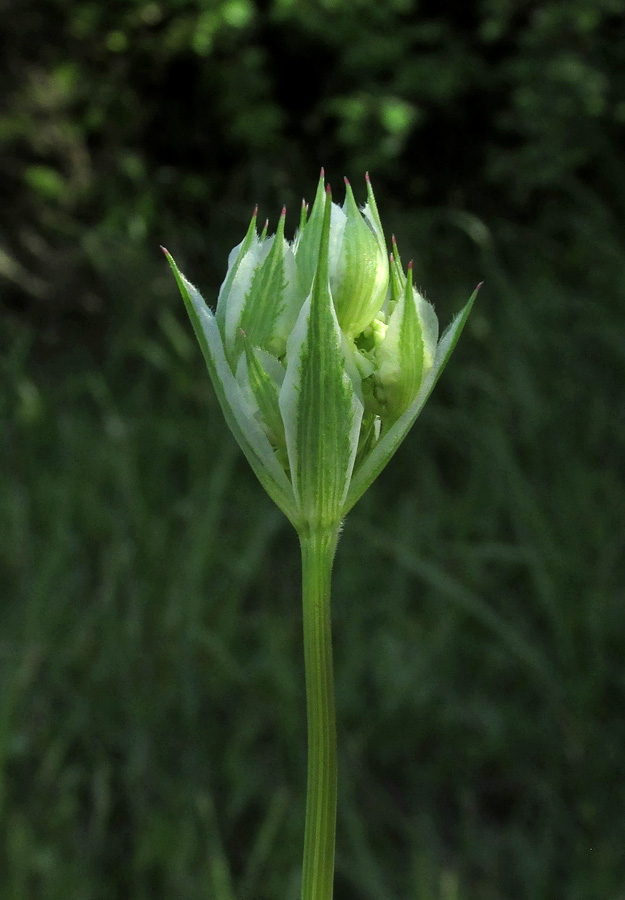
318 550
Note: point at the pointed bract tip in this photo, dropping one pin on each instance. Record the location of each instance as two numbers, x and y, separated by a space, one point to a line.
367 179
328 192
322 174
479 286
409 279
255 213
266 225
392 258
164 250
394 241
283 213
346 180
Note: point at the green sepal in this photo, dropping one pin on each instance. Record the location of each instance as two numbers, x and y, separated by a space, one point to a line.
264 302
302 217
397 279
307 244
320 406
247 431
265 376
371 209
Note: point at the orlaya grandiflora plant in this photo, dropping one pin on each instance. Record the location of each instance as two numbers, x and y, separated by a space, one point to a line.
322 354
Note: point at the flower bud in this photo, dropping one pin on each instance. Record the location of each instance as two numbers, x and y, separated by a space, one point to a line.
321 355
358 263
406 353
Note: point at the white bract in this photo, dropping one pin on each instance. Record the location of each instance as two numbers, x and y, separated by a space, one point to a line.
321 353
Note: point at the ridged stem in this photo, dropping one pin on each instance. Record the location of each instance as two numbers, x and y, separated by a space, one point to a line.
318 550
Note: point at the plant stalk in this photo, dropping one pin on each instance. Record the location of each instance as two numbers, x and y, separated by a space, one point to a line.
318 549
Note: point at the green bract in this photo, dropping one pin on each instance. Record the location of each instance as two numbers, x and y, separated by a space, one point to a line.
322 355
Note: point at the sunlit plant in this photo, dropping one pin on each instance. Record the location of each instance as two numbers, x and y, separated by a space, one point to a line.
322 354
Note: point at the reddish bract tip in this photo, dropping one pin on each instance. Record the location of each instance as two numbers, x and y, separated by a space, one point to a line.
163 249
479 286
328 191
255 213
392 259
367 179
410 265
394 241
345 180
322 174
283 213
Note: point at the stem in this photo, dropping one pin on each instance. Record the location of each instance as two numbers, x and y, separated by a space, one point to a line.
318 550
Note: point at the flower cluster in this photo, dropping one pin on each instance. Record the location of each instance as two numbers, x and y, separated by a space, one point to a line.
322 354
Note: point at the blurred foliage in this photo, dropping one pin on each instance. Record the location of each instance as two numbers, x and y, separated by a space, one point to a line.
137 121
152 709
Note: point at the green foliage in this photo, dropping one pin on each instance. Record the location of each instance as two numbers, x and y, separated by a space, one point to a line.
140 119
152 726
152 710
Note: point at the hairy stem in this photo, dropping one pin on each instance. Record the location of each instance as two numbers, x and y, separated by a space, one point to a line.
318 548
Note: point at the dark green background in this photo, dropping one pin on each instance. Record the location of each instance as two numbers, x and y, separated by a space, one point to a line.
152 723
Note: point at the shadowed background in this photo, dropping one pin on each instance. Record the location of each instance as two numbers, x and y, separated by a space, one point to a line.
152 720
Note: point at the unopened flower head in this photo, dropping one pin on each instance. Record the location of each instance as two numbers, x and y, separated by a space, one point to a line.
322 354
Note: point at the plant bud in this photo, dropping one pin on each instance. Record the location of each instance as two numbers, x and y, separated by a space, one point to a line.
321 354
406 354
